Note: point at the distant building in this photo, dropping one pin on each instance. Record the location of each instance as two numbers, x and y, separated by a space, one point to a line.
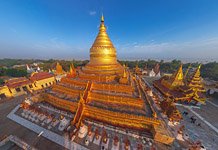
59 72
42 80
168 107
189 89
155 72
22 85
152 73
29 69
33 68
4 92
137 70
18 86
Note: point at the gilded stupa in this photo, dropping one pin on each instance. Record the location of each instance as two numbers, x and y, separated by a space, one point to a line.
59 69
103 56
103 91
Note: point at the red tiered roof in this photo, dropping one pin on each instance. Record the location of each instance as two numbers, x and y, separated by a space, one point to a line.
40 76
17 82
165 90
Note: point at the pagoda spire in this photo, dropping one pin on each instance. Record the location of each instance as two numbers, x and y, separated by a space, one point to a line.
72 72
177 77
197 74
59 69
102 18
102 39
124 71
72 68
195 80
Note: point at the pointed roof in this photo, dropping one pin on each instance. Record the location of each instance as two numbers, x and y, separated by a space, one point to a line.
27 67
177 77
102 39
124 71
72 72
157 68
196 76
72 69
195 79
197 73
59 69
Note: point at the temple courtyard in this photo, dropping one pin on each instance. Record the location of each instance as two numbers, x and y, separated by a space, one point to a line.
39 135
31 129
9 127
204 129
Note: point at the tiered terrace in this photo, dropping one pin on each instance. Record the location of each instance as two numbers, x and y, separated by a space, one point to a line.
96 93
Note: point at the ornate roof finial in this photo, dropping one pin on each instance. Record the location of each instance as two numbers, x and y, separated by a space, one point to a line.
199 67
102 18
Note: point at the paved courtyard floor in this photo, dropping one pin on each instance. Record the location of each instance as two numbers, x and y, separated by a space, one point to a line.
203 132
9 127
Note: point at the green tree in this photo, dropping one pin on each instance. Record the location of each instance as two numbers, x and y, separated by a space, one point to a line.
1 81
16 72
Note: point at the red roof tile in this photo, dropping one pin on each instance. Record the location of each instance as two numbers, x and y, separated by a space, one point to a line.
40 76
17 82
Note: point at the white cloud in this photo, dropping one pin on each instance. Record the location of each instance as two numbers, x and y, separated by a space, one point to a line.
92 13
199 49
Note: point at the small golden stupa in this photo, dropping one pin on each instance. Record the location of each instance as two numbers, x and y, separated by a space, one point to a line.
59 69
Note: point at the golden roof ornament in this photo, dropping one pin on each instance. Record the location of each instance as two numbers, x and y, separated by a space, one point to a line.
102 18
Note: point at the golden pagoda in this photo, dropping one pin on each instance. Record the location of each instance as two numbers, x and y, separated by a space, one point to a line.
59 69
103 91
175 80
195 81
72 72
137 70
196 85
124 78
180 88
103 56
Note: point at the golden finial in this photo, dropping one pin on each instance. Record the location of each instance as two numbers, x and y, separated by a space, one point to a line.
124 73
102 18
71 70
199 66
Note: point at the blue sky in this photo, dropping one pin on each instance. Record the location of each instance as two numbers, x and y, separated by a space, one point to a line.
139 29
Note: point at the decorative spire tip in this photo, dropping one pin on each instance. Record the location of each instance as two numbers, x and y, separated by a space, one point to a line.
102 18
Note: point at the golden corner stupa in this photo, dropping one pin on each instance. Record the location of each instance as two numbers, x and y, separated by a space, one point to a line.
105 92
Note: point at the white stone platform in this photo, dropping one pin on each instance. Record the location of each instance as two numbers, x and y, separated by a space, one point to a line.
63 141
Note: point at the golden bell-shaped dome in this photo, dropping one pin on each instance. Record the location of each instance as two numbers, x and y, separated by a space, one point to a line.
103 57
102 50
